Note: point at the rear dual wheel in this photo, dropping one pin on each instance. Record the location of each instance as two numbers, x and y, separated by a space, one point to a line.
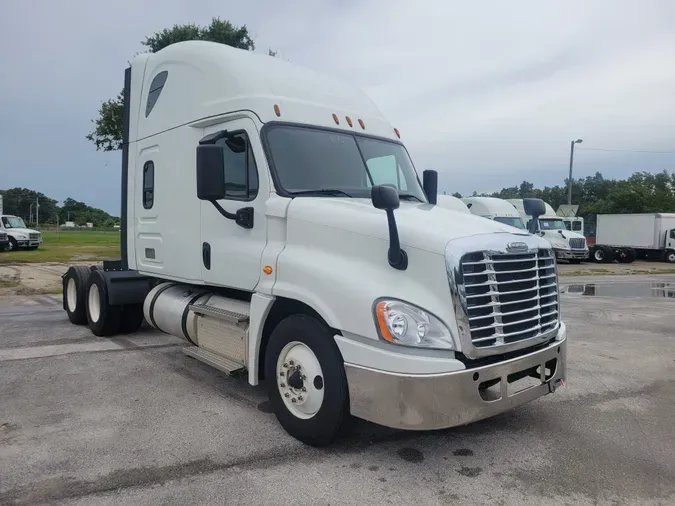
85 299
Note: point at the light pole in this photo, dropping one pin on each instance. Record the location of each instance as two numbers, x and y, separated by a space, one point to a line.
569 181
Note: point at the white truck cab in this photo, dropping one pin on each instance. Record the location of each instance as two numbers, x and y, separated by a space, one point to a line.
495 209
17 235
312 257
567 245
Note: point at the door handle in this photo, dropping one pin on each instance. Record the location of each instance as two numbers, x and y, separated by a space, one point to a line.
206 255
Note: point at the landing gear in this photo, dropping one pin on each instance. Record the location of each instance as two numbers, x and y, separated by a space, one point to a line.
306 380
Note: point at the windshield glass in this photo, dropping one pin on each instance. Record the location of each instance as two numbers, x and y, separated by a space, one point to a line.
508 220
552 224
13 222
310 162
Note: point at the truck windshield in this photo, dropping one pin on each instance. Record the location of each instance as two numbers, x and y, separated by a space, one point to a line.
552 224
313 162
509 220
13 222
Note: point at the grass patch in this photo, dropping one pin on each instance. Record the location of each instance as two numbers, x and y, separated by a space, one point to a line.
69 245
8 283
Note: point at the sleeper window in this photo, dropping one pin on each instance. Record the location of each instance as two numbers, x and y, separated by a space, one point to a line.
156 87
148 185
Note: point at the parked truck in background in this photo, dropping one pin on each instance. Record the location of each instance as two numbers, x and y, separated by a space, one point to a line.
452 202
625 237
495 209
4 238
295 266
570 246
18 235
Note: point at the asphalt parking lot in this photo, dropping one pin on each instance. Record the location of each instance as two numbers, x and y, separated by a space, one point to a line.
131 420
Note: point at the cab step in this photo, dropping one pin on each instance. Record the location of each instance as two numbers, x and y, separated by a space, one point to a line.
234 311
214 360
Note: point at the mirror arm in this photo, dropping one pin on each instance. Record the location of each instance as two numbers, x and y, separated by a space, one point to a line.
397 257
243 217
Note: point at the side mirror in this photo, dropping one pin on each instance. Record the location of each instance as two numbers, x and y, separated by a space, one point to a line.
385 197
210 172
430 184
534 208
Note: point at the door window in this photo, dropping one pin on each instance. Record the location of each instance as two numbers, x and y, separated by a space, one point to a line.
241 172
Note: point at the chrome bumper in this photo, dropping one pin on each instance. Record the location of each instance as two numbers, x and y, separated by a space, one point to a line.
438 401
566 254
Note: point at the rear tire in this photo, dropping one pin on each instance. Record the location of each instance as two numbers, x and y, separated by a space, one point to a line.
74 284
603 254
321 411
626 255
104 319
132 318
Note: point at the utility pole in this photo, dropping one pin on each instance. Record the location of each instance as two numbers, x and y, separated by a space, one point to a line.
569 181
37 212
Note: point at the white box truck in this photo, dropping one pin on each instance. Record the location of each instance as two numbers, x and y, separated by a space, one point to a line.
4 238
625 237
295 266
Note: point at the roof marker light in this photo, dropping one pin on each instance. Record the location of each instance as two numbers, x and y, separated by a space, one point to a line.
337 120
349 120
277 111
398 134
363 125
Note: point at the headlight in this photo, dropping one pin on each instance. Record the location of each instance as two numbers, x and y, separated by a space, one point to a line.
405 324
21 237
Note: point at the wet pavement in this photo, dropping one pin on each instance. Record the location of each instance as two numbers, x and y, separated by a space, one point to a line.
131 420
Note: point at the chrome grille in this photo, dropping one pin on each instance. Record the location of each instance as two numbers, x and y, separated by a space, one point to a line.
507 297
577 243
3 237
33 237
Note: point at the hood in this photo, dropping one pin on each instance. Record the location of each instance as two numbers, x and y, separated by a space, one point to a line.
22 231
423 226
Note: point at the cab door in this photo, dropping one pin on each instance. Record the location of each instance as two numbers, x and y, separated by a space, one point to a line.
670 239
232 248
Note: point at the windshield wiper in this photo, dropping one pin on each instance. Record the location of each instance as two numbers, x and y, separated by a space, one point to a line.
322 191
408 196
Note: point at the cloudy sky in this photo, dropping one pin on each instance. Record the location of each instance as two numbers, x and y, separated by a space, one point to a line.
487 93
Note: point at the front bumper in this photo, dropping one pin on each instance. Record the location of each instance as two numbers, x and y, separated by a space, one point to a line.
26 243
566 254
438 401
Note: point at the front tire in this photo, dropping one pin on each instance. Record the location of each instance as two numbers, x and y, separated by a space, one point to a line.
13 245
306 380
670 256
104 319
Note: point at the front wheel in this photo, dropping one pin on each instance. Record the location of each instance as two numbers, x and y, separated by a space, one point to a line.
13 245
306 380
670 256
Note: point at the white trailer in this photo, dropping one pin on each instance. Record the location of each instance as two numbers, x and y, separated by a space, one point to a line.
310 256
495 209
452 202
625 237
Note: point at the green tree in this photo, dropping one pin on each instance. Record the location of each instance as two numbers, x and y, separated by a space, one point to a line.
107 132
20 202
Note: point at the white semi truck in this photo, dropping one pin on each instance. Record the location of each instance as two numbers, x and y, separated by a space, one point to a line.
287 260
567 245
495 209
625 237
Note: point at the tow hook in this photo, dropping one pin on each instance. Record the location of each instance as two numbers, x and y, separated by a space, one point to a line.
553 385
